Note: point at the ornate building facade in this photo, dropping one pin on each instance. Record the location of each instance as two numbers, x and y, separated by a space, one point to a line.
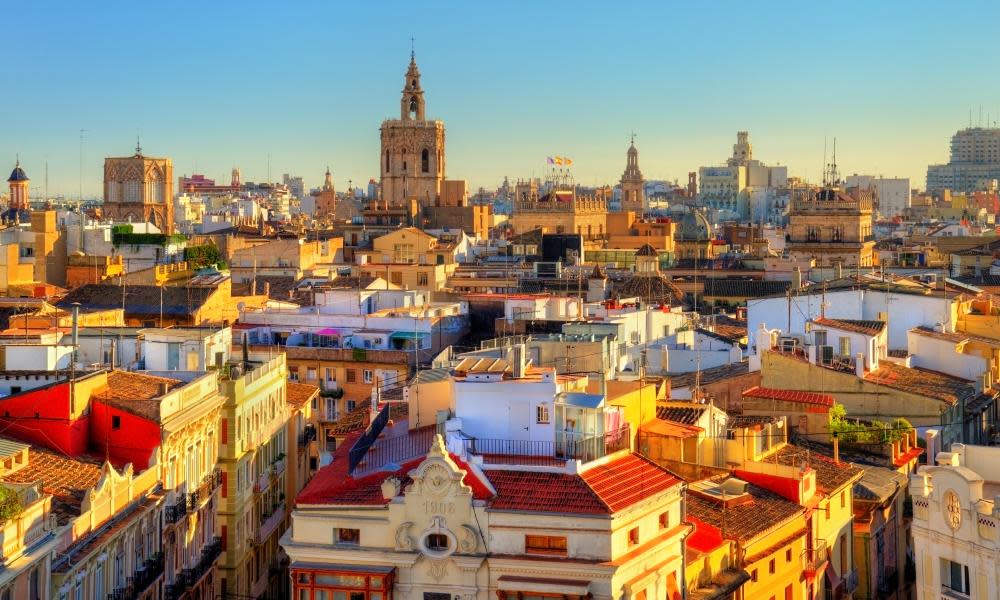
832 227
633 185
140 188
560 211
412 149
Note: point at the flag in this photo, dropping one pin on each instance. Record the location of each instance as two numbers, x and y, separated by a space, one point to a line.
567 160
559 160
548 159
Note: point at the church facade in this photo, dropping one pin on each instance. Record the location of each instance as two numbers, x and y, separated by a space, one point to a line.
140 189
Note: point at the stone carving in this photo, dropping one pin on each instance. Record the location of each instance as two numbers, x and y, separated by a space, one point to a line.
438 569
403 540
469 540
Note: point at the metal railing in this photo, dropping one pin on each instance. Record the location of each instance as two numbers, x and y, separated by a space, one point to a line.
269 523
392 450
176 511
888 584
189 578
850 581
814 558
567 445
209 484
308 435
135 585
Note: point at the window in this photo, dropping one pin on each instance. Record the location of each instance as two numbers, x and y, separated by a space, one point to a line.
425 162
331 374
311 374
422 278
789 594
633 536
845 346
351 404
664 520
770 567
367 376
542 414
545 544
788 555
954 576
352 375
753 575
116 422
348 536
843 499
437 542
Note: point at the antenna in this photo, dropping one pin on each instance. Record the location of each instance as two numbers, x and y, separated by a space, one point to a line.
413 54
824 160
138 146
80 198
834 177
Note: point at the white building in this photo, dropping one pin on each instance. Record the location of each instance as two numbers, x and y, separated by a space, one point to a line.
956 524
892 193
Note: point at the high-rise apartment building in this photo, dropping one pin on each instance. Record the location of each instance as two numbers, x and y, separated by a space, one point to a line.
975 160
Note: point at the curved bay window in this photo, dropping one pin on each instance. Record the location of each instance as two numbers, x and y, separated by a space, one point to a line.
342 583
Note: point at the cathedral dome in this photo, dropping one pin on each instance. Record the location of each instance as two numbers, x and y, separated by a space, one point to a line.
694 227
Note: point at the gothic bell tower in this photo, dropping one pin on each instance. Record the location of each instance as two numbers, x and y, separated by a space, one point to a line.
412 158
411 105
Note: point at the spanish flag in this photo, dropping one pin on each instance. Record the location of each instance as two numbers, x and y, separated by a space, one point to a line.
559 160
567 160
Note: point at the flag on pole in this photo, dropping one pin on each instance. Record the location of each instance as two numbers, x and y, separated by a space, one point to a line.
559 160
567 160
549 160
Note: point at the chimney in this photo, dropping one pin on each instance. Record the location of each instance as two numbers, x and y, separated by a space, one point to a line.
839 271
836 448
859 364
797 278
518 361
164 388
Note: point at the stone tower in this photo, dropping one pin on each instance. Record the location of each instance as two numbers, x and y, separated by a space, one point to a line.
326 198
18 182
633 185
138 188
742 149
412 158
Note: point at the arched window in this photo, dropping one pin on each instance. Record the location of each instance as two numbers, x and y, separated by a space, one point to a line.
402 157
425 161
386 161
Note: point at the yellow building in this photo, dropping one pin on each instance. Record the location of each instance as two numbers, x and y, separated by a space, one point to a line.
441 524
626 231
832 227
563 210
253 456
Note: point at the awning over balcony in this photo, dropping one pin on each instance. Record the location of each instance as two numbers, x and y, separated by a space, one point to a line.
572 587
407 335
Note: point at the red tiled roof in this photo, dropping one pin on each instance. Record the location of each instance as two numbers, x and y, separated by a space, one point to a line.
865 327
333 485
544 492
789 396
297 394
627 480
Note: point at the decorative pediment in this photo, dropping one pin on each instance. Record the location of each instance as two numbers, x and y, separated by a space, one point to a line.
438 475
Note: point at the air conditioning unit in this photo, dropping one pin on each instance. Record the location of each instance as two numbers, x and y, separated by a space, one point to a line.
788 343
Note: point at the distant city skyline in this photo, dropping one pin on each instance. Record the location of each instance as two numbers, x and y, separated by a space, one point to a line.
309 85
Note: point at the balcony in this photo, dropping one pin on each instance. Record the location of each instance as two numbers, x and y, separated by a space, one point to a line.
567 446
269 523
208 485
177 511
189 578
850 582
815 559
143 579
308 435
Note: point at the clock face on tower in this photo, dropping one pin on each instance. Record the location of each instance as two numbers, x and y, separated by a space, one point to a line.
952 508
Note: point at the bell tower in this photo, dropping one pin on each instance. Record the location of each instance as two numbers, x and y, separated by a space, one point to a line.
633 185
412 157
18 183
411 105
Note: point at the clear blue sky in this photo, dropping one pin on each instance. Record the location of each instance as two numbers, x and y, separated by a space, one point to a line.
218 84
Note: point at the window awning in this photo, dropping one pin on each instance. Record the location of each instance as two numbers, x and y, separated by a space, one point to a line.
407 335
341 568
513 583
329 331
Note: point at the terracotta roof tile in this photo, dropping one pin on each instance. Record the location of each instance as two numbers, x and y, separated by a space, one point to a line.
137 393
67 479
741 520
922 382
686 415
796 396
627 480
297 394
543 492
830 475
865 327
